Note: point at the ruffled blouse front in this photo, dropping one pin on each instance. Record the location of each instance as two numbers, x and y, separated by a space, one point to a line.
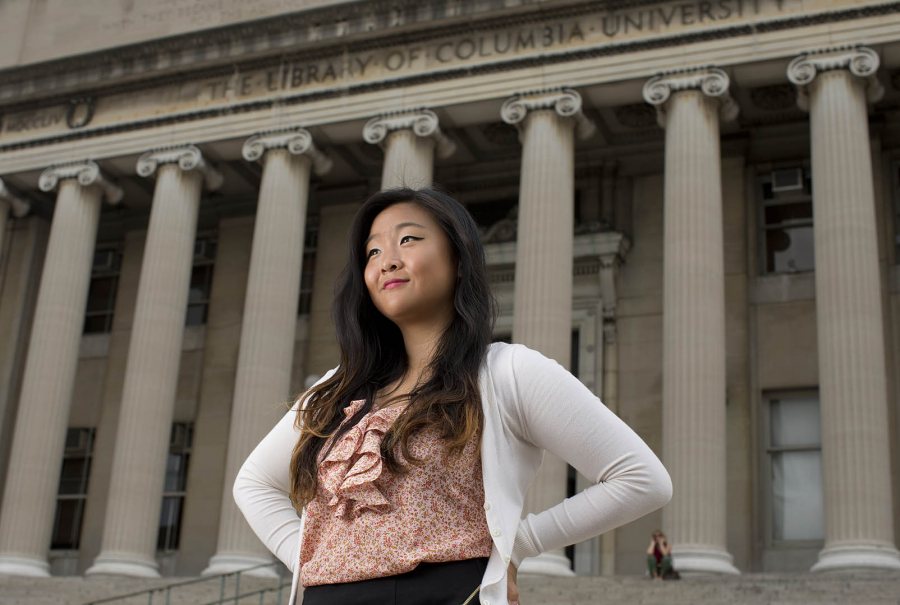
366 522
349 471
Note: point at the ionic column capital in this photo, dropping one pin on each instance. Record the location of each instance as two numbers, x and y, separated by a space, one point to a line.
423 122
711 81
87 173
861 61
188 157
564 101
297 141
19 205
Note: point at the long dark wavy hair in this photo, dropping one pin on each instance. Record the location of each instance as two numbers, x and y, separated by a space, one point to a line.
372 352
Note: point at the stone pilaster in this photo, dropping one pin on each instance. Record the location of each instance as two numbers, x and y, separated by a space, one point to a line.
269 325
410 140
609 272
29 498
835 86
689 106
10 201
322 352
151 374
542 311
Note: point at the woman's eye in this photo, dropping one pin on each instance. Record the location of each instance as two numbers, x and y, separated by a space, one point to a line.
405 236
369 254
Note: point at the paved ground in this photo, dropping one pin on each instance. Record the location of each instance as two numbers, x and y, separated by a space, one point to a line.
749 589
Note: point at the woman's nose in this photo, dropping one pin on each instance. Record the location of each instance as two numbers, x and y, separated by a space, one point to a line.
390 265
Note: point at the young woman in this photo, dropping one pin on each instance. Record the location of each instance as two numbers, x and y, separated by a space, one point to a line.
659 556
409 462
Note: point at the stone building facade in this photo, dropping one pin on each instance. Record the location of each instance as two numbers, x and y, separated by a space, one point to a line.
695 206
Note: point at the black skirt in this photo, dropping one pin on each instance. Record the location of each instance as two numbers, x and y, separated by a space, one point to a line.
448 583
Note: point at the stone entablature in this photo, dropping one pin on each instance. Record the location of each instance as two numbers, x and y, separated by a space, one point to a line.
190 80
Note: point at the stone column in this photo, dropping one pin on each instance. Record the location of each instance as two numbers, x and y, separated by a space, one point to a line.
834 86
689 105
269 325
542 299
154 352
29 497
409 140
10 201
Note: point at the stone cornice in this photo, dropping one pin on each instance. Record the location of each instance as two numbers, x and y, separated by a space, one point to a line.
859 60
217 51
767 42
19 205
711 81
187 157
297 141
423 122
313 32
564 101
87 173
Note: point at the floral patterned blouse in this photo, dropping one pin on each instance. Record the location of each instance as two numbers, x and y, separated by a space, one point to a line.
366 522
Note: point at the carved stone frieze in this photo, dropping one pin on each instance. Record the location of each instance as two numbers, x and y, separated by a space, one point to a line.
861 61
18 204
188 157
297 141
712 81
87 173
423 122
564 101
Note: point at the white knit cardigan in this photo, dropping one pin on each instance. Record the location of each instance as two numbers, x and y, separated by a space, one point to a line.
531 404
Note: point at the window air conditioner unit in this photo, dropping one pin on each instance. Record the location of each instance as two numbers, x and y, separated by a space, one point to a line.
787 179
104 260
202 250
76 440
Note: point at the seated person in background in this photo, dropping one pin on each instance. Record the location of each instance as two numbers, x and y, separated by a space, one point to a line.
659 556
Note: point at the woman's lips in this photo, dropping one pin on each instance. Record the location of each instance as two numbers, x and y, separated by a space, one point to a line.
394 284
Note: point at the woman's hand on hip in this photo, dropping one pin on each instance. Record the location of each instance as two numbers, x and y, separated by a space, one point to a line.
512 588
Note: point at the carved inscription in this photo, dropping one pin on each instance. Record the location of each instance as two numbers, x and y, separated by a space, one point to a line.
430 57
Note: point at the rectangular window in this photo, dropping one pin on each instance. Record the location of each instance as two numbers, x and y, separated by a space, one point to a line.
785 219
895 182
795 467
201 281
72 493
310 243
175 485
101 300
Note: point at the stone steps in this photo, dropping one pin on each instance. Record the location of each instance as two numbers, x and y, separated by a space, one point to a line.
860 588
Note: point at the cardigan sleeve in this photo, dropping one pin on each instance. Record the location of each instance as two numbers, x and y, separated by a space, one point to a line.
262 485
557 413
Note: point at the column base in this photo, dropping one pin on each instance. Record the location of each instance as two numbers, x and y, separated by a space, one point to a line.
546 564
123 564
851 557
702 561
231 562
12 565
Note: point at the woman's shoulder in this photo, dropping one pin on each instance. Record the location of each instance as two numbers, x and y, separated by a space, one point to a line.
516 358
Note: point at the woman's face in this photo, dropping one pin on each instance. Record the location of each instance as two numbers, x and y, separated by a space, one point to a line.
406 243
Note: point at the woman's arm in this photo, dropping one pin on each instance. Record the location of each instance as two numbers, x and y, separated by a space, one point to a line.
262 485
561 415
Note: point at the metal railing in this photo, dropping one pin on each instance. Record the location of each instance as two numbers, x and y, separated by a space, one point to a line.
164 593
